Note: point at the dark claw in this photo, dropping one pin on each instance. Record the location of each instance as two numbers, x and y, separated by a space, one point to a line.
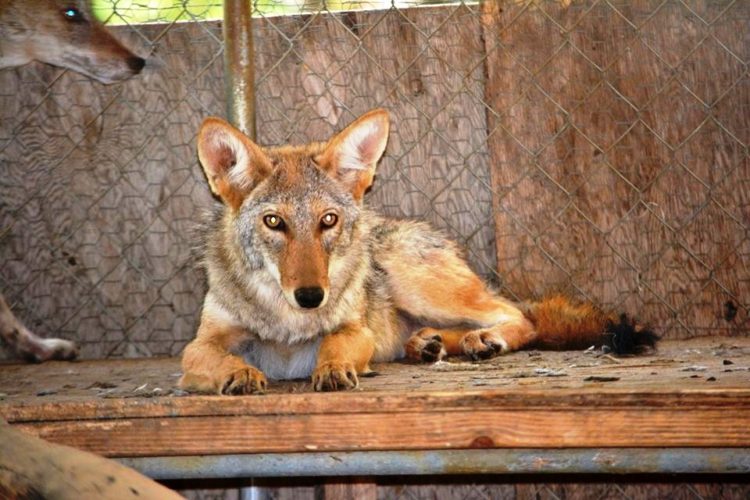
483 354
487 353
431 351
226 386
434 347
235 388
496 348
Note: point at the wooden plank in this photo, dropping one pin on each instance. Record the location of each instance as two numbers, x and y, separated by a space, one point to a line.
354 403
699 372
618 136
424 430
527 399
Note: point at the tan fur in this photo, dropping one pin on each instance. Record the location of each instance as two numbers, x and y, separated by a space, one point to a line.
207 361
306 261
342 355
293 297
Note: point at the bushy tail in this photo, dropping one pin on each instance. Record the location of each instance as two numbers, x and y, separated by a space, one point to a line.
563 324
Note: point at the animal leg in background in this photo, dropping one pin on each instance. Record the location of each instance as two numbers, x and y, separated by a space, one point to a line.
29 346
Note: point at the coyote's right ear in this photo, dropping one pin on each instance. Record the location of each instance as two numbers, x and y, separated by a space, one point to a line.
352 155
233 164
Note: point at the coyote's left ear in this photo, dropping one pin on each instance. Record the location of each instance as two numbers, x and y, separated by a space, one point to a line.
351 155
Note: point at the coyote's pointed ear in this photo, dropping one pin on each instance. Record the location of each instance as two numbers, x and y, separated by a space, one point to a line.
233 164
351 155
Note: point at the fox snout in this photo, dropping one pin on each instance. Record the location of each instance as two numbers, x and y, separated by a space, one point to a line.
309 297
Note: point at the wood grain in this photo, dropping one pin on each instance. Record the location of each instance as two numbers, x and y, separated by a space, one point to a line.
675 376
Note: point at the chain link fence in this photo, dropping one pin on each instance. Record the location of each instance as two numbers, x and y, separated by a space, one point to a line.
598 148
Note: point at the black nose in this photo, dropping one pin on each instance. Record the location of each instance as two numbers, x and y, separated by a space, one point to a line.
309 298
136 63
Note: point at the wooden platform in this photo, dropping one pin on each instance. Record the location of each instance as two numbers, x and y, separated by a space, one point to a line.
690 395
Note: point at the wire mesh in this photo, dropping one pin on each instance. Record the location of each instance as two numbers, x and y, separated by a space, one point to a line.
599 148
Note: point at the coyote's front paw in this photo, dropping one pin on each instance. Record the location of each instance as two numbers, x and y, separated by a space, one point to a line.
246 380
483 344
334 375
426 345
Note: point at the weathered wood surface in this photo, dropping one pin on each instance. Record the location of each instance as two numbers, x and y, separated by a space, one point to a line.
527 399
33 468
618 148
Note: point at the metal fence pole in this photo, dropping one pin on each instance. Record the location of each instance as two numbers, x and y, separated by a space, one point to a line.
239 66
239 84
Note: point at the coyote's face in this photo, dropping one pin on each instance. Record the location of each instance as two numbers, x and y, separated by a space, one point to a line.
295 208
296 224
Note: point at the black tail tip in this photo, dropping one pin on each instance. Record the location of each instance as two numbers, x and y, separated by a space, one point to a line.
629 337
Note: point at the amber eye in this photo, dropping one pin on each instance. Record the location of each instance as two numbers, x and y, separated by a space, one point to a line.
274 222
329 220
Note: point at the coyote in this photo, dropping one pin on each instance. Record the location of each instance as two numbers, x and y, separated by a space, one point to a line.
303 280
62 33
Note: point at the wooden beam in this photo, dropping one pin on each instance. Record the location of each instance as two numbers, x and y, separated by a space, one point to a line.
429 429
32 468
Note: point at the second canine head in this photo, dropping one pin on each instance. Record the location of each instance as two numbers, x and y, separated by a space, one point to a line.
63 33
292 224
